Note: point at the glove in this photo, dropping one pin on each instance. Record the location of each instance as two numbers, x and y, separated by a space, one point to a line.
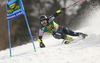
61 10
42 45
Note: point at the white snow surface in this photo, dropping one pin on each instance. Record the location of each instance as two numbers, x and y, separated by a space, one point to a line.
84 51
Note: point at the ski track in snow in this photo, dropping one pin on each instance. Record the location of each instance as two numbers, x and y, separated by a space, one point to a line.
84 51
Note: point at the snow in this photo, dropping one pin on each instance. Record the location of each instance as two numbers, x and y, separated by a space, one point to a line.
84 51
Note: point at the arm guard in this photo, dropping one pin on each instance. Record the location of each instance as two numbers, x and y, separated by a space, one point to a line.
52 17
39 40
40 35
58 11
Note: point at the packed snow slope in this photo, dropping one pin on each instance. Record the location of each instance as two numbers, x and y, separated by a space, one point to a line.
84 51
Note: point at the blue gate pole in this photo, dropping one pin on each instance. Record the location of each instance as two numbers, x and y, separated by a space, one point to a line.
27 24
9 38
29 32
9 33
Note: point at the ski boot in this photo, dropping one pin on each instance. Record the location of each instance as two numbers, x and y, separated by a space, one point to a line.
68 38
66 42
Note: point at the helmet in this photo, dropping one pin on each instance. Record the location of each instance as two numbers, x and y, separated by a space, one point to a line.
42 17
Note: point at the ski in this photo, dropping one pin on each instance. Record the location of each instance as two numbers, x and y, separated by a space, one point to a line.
74 41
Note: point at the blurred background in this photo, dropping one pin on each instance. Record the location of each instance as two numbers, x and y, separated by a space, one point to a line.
73 18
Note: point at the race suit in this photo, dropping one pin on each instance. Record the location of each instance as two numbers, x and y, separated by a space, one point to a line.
59 32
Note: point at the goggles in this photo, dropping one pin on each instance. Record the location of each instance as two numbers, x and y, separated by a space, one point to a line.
43 21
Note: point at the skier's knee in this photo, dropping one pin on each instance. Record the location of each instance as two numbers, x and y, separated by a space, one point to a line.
66 30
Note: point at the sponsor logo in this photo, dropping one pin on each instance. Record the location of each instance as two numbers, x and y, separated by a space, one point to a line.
15 15
12 6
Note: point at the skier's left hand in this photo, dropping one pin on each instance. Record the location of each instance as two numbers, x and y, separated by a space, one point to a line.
62 9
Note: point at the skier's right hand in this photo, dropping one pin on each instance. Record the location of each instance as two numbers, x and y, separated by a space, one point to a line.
42 45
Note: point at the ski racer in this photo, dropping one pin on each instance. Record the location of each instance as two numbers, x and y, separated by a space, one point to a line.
59 32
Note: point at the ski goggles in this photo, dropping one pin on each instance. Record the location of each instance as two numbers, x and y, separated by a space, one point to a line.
43 21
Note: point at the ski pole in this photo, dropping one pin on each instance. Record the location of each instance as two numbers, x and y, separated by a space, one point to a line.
73 4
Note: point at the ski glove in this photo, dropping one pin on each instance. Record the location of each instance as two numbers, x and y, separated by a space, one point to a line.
61 10
41 43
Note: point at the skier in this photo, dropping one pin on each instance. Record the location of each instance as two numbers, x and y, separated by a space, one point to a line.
59 32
